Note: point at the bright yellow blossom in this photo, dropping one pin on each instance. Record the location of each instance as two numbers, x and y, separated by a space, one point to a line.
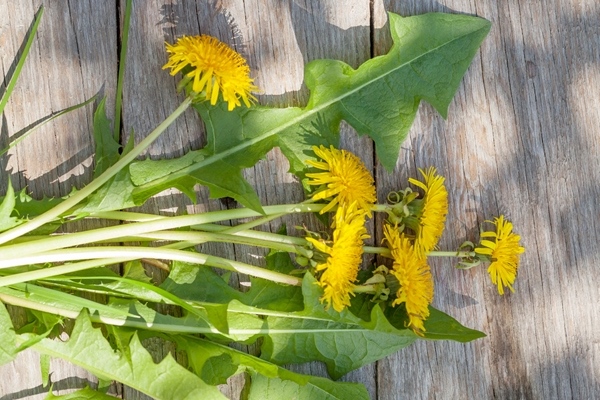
215 68
432 215
345 180
503 252
413 275
340 270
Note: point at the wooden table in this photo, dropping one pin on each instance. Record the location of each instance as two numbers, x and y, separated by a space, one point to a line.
522 138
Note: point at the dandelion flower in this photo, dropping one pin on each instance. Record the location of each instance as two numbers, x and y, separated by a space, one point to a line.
215 68
503 252
432 215
345 180
413 275
340 270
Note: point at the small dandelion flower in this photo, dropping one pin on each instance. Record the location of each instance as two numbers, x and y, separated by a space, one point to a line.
503 252
345 181
432 215
215 68
340 270
413 275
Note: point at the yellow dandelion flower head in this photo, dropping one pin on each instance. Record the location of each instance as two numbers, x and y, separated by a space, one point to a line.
504 252
340 271
413 275
434 209
345 180
215 68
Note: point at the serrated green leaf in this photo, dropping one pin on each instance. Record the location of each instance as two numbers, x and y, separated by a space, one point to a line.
202 354
262 387
270 295
431 53
8 337
135 270
217 369
107 148
116 194
166 380
185 279
42 322
224 179
28 207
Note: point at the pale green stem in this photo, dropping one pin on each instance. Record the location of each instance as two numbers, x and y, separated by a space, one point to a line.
384 251
257 222
133 252
79 196
126 216
134 229
387 253
268 236
74 267
459 254
251 224
203 237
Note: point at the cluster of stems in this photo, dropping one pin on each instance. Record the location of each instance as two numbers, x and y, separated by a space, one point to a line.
71 252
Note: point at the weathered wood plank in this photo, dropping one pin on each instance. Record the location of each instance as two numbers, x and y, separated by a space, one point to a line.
520 135
521 139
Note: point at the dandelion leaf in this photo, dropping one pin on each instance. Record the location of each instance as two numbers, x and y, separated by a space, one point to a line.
185 279
87 348
24 208
216 362
115 194
8 338
107 148
270 295
438 326
430 55
342 341
441 326
319 388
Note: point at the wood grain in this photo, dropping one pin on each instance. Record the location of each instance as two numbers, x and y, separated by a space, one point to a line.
521 139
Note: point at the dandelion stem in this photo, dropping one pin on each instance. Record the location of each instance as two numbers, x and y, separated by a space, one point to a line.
133 252
459 254
134 229
387 253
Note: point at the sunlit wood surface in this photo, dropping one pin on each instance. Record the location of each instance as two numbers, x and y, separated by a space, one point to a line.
522 138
